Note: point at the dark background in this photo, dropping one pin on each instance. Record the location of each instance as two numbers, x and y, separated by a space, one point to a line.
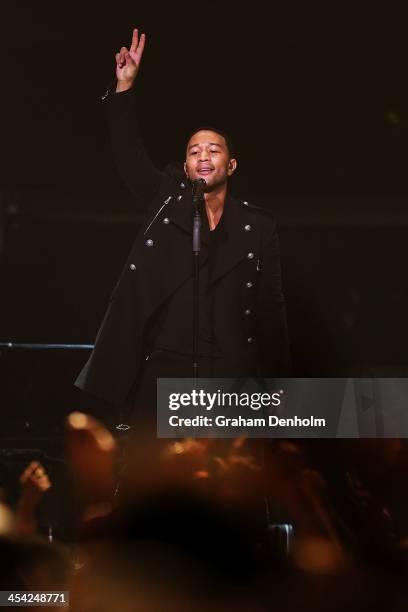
314 95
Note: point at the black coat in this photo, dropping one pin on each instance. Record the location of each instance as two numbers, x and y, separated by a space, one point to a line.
249 310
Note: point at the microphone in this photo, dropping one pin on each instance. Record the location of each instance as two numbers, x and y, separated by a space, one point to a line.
198 189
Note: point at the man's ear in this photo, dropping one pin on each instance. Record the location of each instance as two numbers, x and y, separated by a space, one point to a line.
185 170
232 166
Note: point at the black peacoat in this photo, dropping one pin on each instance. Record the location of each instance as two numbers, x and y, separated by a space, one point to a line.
249 310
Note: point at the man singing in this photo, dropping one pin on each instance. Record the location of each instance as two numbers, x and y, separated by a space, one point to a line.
148 327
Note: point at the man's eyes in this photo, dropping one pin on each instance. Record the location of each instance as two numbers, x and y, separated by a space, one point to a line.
211 151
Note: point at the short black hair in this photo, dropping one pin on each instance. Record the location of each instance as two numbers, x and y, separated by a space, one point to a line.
209 128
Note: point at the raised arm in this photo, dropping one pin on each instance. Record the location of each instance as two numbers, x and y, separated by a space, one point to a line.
134 163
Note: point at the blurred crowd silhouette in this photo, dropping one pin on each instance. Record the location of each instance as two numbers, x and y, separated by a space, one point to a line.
216 525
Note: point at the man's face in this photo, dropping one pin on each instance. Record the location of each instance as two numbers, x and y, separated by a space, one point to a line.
207 157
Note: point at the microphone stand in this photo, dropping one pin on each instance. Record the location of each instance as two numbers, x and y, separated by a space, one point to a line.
198 197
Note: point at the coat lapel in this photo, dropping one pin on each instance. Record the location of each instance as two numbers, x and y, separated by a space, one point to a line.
182 214
235 242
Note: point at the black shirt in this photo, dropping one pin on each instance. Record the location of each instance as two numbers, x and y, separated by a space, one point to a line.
170 331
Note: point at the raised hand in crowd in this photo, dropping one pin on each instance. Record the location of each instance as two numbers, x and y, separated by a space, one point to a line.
34 483
92 455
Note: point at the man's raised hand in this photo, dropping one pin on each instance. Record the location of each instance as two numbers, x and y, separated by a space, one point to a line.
128 62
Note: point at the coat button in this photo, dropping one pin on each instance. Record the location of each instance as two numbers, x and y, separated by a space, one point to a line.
245 203
248 285
132 267
247 312
166 220
249 340
182 185
250 255
149 243
247 228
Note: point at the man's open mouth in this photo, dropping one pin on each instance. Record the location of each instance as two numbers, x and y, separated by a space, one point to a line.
205 170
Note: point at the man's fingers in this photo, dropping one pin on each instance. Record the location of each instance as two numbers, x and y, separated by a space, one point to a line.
132 57
122 53
139 51
120 60
122 56
135 40
129 59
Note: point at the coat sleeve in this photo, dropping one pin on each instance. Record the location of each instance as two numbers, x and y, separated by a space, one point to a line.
134 164
272 332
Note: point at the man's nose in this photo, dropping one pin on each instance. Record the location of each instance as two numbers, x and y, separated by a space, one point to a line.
203 155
